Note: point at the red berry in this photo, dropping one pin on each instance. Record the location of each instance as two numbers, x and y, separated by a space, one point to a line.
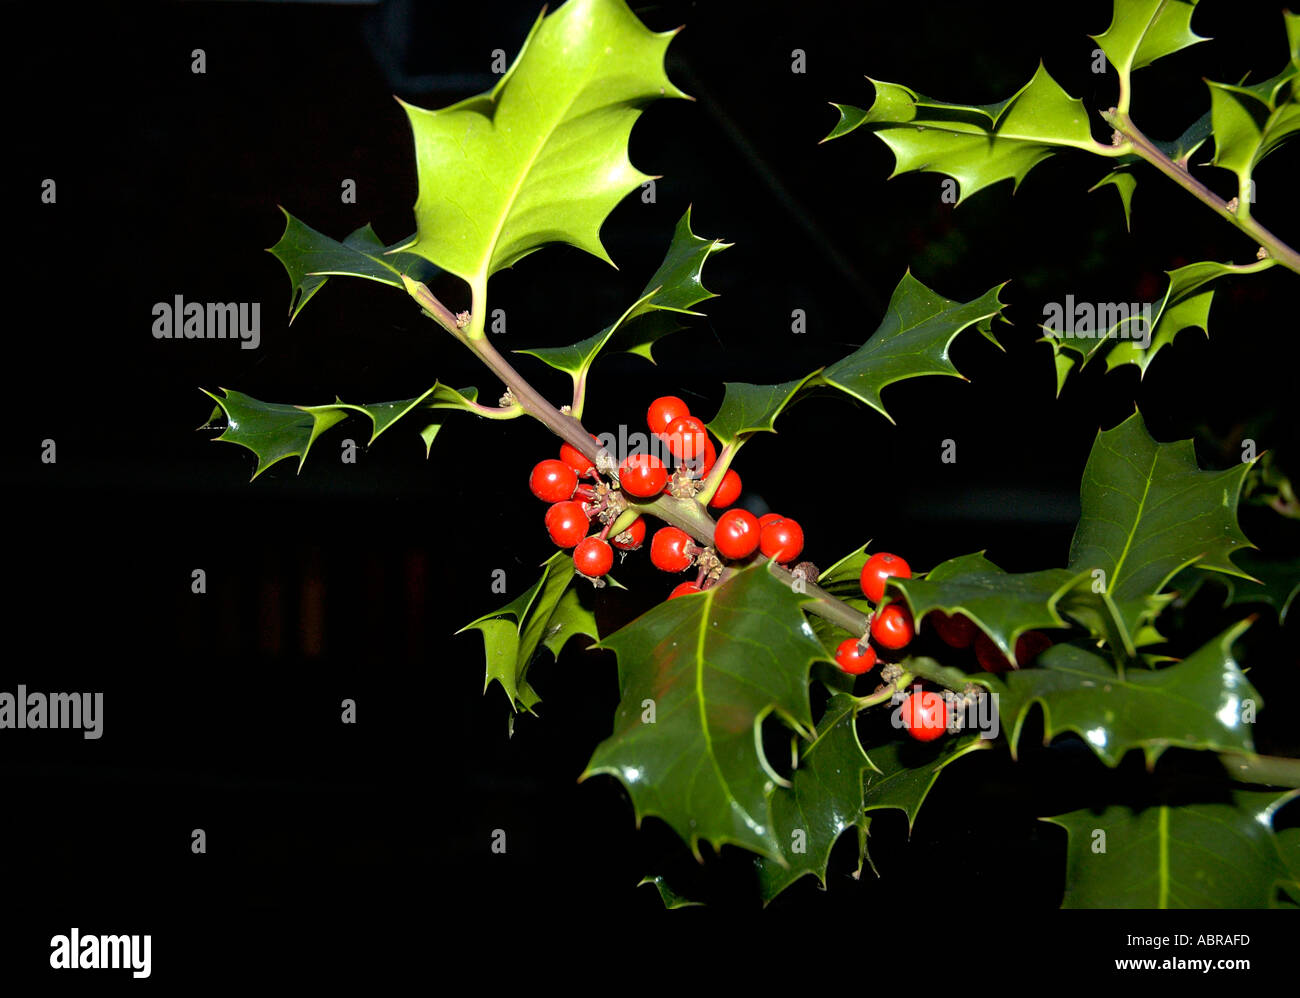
892 626
767 518
701 466
957 631
728 490
642 475
593 557
851 660
736 534
924 715
687 438
572 456
685 589
781 541
663 411
1028 646
552 480
670 549
877 570
633 537
567 522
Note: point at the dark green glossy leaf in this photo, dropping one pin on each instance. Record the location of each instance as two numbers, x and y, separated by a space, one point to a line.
676 287
1149 511
1207 855
1275 584
1203 702
748 409
712 666
1003 605
274 431
548 613
905 771
671 899
825 799
911 341
311 258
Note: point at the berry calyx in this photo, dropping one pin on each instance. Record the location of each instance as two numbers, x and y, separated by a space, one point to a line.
781 541
1029 646
852 661
956 631
567 523
879 568
663 411
633 537
892 627
642 475
728 490
552 480
924 715
736 534
593 557
685 589
671 549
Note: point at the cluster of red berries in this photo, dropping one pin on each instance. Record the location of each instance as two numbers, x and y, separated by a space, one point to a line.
737 535
959 631
891 626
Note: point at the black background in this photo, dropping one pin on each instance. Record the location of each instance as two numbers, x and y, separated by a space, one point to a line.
348 581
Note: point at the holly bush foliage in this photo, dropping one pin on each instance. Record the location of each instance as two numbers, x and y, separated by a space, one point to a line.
542 158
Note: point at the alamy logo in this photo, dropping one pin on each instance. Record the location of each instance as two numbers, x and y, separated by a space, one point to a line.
214 320
77 952
57 710
1104 320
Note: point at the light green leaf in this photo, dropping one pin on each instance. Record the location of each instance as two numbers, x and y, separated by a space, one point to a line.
977 145
1142 31
1125 183
542 156
671 899
749 409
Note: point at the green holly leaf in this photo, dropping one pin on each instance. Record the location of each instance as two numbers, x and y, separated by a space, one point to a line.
542 156
1140 331
548 613
1275 582
749 409
1125 183
911 341
824 801
671 899
1147 512
311 258
710 667
1142 31
903 773
1203 855
271 430
1288 845
1198 703
676 287
1250 122
977 145
1002 604
274 431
